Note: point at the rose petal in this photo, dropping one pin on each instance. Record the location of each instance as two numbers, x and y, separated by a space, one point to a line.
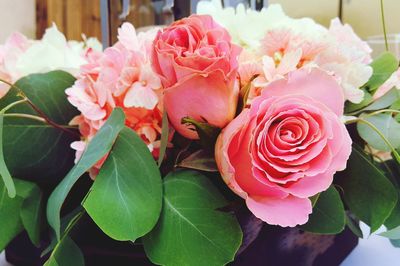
313 83
289 211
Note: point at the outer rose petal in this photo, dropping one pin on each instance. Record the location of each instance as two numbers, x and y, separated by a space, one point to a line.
194 97
221 152
290 211
313 83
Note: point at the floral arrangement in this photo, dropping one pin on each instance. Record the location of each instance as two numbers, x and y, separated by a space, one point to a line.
172 130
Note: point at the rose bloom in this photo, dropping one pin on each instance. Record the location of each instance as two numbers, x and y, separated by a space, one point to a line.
286 147
197 65
121 76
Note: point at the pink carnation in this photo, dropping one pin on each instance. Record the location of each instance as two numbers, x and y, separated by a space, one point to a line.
121 76
339 51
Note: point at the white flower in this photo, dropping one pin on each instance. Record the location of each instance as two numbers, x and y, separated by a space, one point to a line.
51 53
247 27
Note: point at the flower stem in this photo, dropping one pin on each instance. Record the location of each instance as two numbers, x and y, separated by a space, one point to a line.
384 26
373 127
383 111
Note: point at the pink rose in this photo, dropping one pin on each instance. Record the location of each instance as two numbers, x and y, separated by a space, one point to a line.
286 147
197 65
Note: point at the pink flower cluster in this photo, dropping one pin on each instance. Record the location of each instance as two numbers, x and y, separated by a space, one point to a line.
341 53
15 45
283 148
121 76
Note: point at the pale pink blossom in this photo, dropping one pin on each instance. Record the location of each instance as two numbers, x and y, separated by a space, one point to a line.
340 52
121 76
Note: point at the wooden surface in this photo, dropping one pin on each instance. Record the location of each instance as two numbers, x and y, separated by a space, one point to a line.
74 17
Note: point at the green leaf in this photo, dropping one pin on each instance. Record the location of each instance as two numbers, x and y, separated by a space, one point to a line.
32 213
367 192
5 174
31 146
208 134
328 215
314 199
12 213
387 125
200 160
392 234
66 253
191 231
354 225
128 189
98 147
10 222
383 67
352 107
385 101
164 137
395 243
394 219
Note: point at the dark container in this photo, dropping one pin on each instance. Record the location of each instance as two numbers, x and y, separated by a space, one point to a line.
274 246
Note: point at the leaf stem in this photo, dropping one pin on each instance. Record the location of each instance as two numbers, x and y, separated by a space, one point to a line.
383 111
33 117
11 105
384 26
38 111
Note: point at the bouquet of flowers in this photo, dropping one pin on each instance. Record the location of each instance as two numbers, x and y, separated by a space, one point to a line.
172 130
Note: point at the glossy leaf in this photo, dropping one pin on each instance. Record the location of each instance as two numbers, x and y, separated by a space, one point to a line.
98 147
354 225
191 231
13 212
387 125
31 146
164 137
383 67
353 107
4 173
200 160
394 219
367 191
128 189
32 214
385 101
66 253
392 234
208 134
395 243
10 222
328 216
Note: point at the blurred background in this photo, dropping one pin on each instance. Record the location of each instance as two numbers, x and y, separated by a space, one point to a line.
74 17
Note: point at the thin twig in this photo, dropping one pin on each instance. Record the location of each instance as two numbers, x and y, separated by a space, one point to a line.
384 26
